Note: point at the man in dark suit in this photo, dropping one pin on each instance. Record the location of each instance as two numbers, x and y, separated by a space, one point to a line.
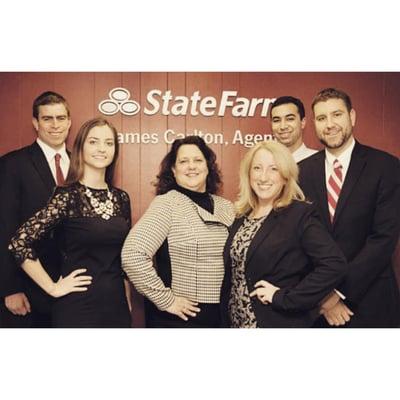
27 180
357 192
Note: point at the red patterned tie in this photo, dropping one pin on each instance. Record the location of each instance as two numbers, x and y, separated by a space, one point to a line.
334 187
59 174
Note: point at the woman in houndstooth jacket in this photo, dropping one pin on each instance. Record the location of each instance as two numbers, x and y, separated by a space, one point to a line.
184 229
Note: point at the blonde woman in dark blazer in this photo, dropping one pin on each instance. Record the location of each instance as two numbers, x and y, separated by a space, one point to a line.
280 262
184 229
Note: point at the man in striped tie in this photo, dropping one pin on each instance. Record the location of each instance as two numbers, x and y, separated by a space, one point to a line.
356 190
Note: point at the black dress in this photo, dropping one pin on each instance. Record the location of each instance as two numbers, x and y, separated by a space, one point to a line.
87 240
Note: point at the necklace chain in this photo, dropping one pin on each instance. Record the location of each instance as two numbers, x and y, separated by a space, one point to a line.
103 208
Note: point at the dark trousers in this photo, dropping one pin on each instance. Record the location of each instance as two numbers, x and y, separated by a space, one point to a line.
208 317
33 319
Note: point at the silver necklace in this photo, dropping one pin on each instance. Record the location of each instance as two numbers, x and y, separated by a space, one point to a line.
103 208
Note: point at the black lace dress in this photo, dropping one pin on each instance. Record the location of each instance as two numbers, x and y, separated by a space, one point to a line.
87 240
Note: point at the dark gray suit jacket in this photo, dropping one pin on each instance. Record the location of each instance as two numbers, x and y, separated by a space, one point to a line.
26 184
365 227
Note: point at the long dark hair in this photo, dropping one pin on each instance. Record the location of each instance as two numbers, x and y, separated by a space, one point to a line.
75 172
165 178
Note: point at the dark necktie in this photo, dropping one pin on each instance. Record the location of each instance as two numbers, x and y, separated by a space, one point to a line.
59 174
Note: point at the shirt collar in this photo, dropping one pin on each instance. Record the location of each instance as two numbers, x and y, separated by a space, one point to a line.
344 158
300 149
49 152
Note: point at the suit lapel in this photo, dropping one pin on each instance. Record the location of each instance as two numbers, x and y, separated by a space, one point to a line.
266 228
319 182
42 167
356 166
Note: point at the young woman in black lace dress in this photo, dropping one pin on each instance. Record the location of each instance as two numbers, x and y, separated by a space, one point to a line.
92 219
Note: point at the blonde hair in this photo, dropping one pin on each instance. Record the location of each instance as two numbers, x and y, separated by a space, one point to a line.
247 199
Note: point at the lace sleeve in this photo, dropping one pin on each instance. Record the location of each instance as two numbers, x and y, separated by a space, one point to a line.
126 208
37 226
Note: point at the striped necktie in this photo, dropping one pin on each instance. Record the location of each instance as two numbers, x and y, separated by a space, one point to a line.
59 174
334 187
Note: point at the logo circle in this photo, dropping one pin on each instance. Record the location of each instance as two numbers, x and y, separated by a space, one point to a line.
108 107
119 94
129 107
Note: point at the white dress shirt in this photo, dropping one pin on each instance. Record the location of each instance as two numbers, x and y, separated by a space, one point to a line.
303 152
344 160
50 153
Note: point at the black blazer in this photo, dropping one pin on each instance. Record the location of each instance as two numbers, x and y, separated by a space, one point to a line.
26 184
365 227
293 251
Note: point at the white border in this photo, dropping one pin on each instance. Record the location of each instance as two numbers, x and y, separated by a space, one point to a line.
213 36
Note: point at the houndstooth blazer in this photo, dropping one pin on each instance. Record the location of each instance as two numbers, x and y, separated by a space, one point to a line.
196 240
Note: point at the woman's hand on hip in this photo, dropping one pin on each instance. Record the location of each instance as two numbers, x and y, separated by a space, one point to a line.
74 282
264 291
183 307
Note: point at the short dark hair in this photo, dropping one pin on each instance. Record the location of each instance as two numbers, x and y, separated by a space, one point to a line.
166 179
289 100
75 172
332 93
48 98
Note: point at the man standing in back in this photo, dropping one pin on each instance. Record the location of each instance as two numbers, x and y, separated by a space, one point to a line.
288 121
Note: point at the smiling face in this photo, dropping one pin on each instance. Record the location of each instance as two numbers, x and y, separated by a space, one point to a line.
99 147
287 126
190 169
265 178
334 123
52 125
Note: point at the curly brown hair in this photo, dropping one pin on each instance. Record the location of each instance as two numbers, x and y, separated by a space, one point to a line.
166 180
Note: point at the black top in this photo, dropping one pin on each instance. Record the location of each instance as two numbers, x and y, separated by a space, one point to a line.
88 240
202 199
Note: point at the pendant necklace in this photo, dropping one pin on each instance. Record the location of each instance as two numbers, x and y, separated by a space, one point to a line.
103 208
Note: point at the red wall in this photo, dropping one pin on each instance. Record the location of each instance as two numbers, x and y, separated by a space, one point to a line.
375 96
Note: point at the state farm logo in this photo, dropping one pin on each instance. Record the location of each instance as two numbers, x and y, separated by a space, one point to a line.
167 103
119 101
